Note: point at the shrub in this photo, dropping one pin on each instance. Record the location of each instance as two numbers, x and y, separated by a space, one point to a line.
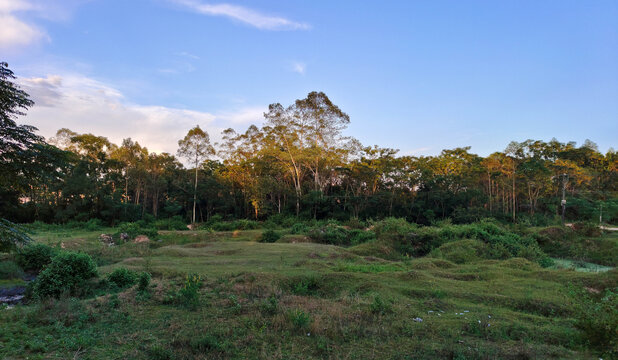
380 306
270 305
308 285
93 225
355 224
299 228
598 320
330 234
361 236
205 343
143 281
188 296
68 273
173 223
299 318
270 236
280 221
462 251
35 257
10 270
122 277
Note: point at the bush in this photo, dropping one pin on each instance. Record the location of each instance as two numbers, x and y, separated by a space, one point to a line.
598 320
93 225
299 228
270 305
299 318
462 251
10 270
35 257
270 236
280 221
330 234
68 273
360 236
173 223
188 296
206 343
307 285
122 277
355 224
380 306
143 282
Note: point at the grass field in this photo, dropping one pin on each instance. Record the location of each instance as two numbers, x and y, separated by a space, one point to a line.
297 300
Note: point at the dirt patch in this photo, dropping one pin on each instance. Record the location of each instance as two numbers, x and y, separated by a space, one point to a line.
141 239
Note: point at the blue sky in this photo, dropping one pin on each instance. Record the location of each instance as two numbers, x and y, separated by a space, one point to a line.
419 76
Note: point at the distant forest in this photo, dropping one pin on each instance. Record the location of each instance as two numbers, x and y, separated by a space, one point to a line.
298 164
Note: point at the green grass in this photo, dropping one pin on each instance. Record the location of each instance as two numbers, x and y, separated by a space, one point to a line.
299 300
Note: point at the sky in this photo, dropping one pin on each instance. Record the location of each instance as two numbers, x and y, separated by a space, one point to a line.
418 76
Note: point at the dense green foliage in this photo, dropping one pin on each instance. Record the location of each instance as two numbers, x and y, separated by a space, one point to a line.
122 277
299 164
35 257
67 274
270 236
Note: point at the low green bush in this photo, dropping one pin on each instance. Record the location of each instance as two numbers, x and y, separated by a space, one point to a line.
304 285
68 273
330 234
357 236
380 306
299 228
122 277
597 318
270 305
270 236
188 296
299 318
143 282
173 223
35 257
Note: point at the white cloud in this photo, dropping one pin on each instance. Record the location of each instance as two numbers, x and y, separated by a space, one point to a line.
187 55
243 14
17 33
85 105
299 67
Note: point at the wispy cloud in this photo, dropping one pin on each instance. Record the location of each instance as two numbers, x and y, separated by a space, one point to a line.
187 55
71 98
16 33
243 14
299 67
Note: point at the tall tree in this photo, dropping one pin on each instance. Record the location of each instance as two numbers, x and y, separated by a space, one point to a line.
196 148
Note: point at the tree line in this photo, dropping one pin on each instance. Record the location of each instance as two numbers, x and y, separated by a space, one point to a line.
299 163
